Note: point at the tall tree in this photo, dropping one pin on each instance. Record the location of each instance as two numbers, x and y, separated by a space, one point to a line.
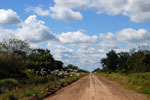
112 60
122 60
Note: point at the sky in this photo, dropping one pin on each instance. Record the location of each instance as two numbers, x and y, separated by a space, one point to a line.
78 32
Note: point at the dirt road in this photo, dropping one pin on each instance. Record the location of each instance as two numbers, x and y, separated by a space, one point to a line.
92 87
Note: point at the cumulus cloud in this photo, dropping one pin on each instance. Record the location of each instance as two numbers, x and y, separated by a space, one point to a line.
68 10
64 13
8 17
57 12
128 35
107 45
6 34
87 58
82 4
77 37
131 35
108 36
34 30
39 11
137 10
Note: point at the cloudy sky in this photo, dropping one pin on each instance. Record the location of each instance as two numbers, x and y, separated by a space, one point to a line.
79 32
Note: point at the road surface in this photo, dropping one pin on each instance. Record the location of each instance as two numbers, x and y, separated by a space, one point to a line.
95 87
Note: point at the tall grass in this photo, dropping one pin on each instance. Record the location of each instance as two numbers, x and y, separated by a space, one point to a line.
140 82
40 90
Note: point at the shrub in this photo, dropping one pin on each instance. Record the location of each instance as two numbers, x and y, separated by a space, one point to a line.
9 97
9 83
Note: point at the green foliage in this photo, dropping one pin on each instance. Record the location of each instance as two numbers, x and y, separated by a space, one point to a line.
42 59
111 62
25 71
41 90
12 56
127 62
30 92
97 70
9 97
139 82
9 83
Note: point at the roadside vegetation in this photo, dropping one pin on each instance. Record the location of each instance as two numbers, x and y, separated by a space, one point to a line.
140 82
131 69
32 73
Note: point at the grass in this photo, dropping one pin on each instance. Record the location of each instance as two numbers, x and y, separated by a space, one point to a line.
139 82
40 90
23 92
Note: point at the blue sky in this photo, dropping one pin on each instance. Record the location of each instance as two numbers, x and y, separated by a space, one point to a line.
77 32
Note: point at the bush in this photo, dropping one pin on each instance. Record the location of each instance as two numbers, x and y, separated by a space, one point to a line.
9 97
9 83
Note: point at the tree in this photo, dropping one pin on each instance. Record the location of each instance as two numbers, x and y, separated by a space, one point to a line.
12 57
104 64
42 58
146 62
15 47
134 62
112 60
122 59
58 64
97 70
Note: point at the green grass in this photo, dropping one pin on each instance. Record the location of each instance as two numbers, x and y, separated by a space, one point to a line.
139 82
41 90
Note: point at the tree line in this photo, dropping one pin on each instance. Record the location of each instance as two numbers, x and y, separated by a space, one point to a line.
134 61
16 56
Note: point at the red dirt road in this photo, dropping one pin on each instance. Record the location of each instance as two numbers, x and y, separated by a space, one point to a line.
94 87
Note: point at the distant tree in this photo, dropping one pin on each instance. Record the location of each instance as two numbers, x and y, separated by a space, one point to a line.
134 62
41 58
97 70
104 64
58 64
112 60
12 58
122 60
146 62
15 47
71 67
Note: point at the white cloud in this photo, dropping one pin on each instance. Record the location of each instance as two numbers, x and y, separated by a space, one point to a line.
137 10
113 7
131 35
77 37
80 4
68 10
107 45
57 12
34 30
108 36
64 13
86 58
8 17
128 35
39 11
6 34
